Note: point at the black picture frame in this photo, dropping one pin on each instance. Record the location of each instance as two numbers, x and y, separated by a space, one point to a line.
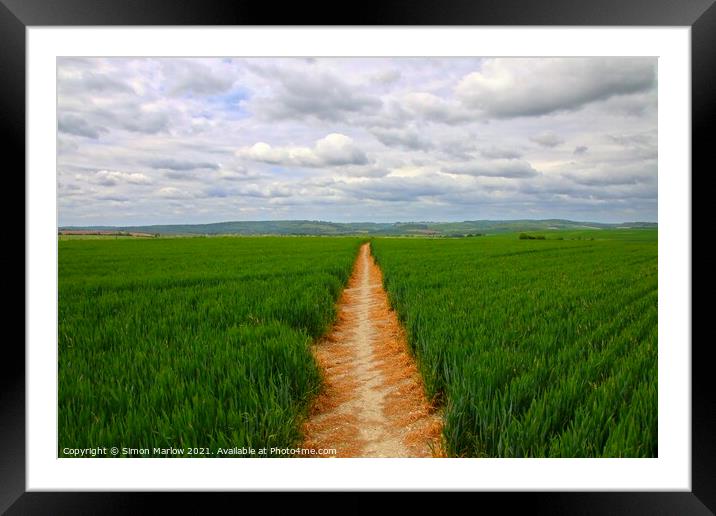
17 15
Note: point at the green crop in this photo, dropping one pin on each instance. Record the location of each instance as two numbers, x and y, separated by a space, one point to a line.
193 342
537 348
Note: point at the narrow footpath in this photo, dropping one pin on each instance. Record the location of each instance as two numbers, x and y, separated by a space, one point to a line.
372 403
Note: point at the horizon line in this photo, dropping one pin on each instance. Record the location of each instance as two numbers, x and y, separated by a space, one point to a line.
358 222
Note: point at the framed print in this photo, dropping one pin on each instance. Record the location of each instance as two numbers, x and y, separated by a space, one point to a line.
448 248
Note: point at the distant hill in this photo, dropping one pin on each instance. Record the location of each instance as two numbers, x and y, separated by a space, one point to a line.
317 227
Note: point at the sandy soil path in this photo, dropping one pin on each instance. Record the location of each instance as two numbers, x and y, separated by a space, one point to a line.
372 404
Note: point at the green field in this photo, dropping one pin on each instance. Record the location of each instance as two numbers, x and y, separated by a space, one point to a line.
533 348
192 342
536 348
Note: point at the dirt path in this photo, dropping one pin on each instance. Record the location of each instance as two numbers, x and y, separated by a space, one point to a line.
372 404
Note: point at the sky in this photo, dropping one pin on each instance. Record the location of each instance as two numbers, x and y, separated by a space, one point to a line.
187 140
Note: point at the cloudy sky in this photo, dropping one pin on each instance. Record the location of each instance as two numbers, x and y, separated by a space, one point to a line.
157 141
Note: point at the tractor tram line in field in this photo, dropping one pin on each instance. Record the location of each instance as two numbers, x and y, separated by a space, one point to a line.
373 402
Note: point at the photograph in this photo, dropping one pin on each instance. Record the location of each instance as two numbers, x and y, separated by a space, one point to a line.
448 246
357 257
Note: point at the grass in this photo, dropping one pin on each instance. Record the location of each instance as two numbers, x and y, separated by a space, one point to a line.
537 348
192 342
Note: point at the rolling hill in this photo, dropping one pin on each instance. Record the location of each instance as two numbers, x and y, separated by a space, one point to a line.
317 227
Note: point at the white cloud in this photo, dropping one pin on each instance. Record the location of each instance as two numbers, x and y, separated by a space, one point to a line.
333 150
495 152
355 139
507 168
171 192
194 77
176 164
514 87
114 177
613 174
387 76
339 149
580 150
547 139
306 93
73 124
406 138
431 107
239 174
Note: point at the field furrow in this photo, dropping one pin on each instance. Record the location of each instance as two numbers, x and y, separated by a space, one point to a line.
536 347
